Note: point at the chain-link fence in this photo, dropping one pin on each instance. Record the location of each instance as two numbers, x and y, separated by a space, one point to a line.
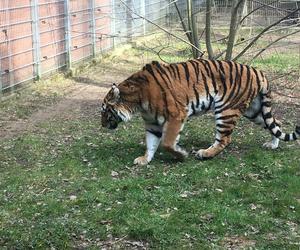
38 37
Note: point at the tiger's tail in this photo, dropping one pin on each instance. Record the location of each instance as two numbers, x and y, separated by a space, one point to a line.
270 121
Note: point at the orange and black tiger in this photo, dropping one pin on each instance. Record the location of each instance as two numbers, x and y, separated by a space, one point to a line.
167 94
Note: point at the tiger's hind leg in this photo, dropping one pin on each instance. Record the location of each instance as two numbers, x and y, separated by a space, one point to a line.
170 139
254 114
225 123
274 143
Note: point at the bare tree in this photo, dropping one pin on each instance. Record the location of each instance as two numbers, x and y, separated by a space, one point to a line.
161 28
236 16
192 28
236 20
208 29
263 31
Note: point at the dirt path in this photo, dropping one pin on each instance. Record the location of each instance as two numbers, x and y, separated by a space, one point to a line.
82 97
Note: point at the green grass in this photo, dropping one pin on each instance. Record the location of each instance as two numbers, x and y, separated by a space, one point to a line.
246 191
279 63
27 100
72 184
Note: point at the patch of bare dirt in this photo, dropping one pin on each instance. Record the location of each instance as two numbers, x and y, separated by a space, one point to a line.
238 242
67 108
84 98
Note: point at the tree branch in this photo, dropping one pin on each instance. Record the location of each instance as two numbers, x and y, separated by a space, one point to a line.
270 44
259 7
161 28
262 32
185 29
208 30
234 26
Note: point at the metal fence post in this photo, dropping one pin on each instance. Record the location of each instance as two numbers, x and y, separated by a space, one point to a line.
68 34
93 27
36 39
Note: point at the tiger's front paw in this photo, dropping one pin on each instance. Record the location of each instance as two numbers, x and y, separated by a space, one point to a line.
141 161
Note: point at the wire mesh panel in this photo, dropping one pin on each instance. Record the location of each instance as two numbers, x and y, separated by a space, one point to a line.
103 24
51 35
40 36
16 60
80 21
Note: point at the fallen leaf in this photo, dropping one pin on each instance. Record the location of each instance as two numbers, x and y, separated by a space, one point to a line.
73 197
114 174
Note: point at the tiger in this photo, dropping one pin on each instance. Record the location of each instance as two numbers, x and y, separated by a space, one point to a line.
166 95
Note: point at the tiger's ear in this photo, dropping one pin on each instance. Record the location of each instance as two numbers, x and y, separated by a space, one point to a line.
116 91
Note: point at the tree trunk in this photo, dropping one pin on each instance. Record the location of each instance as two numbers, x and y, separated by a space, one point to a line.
236 16
208 30
192 28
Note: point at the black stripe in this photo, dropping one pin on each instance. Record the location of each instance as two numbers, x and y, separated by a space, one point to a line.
204 65
278 133
240 78
257 78
248 74
223 80
187 100
238 98
211 99
223 126
208 72
237 93
231 94
196 69
233 122
267 104
225 117
294 136
225 133
193 107
178 72
267 115
150 70
164 72
212 77
197 95
215 64
205 84
230 71
173 70
287 137
169 70
187 73
272 126
156 133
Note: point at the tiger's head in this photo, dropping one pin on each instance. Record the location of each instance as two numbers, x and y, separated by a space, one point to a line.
120 103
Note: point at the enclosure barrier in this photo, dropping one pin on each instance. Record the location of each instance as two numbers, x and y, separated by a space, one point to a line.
38 37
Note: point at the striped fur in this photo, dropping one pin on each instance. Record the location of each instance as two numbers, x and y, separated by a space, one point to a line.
167 94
